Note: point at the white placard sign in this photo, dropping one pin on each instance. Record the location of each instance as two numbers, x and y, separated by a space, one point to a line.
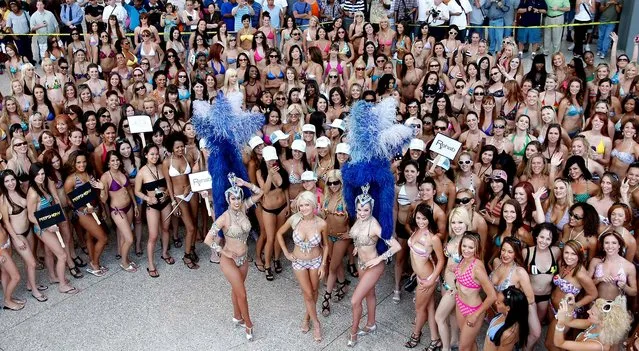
200 181
445 146
140 124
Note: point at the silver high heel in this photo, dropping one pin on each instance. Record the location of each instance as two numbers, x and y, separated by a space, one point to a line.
239 322
249 333
352 340
367 330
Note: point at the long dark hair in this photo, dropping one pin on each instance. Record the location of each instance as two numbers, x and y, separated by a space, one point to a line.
282 172
33 172
427 212
591 218
519 220
18 189
518 303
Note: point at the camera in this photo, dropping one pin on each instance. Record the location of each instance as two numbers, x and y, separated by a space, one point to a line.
434 12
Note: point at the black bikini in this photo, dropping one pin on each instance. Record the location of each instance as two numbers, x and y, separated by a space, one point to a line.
533 270
16 210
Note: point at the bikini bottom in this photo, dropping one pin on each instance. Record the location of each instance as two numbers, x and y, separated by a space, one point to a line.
275 211
542 298
160 206
313 263
121 211
186 198
464 308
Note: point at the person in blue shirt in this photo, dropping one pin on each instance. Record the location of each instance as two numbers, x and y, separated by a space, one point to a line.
227 15
71 17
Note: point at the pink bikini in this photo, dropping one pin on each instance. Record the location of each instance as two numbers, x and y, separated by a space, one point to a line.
466 279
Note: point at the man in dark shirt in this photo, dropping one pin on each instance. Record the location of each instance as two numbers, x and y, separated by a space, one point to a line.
93 12
531 11
155 8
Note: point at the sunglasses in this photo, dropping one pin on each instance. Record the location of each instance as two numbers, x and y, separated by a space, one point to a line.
105 115
140 88
272 56
622 59
452 32
499 127
415 126
19 144
495 73
337 182
479 93
440 128
360 68
125 126
380 61
467 162
412 106
296 34
459 87
170 56
280 99
166 113
433 66
137 75
332 76
64 67
427 123
463 200
571 214
242 59
430 96
570 65
182 76
144 63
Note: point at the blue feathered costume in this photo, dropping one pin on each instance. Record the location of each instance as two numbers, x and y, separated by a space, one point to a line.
226 129
374 139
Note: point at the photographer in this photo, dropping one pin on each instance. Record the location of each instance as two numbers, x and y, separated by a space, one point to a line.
437 19
404 10
495 11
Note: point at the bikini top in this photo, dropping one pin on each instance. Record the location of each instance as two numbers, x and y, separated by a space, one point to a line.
402 197
239 228
522 151
173 172
22 176
15 208
624 157
419 251
112 54
574 111
215 71
363 240
564 285
115 186
339 209
555 105
150 53
441 199
271 76
133 173
466 278
510 116
600 148
582 197
456 256
45 202
534 270
494 327
257 57
619 277
294 179
498 93
562 221
154 185
339 67
183 94
246 37
306 245
506 282
270 35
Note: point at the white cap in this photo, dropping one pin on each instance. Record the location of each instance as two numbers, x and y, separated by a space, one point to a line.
416 144
343 148
203 144
298 145
338 123
309 176
322 142
308 128
277 136
444 163
255 142
269 153
413 120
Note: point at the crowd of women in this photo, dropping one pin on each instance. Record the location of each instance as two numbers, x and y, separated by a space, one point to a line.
531 225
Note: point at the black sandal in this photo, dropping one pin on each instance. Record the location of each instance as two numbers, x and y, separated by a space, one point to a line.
194 256
341 290
188 261
278 266
414 341
353 271
177 242
75 272
269 274
326 304
78 262
435 345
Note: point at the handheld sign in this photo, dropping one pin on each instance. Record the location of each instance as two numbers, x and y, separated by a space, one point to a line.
50 216
140 124
83 196
445 146
201 181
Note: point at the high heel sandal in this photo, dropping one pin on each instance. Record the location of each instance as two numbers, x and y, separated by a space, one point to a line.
269 274
78 262
341 291
317 333
435 345
278 266
413 341
353 270
194 257
352 340
249 333
306 325
189 262
326 304
367 330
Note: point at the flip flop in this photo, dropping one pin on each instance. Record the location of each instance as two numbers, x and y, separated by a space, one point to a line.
138 253
260 267
169 260
71 291
40 288
40 298
153 273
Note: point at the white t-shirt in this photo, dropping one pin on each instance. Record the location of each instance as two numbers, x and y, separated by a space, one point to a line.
583 14
460 20
281 3
443 15
423 7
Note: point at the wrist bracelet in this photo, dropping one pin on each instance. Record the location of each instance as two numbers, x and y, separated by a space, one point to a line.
560 329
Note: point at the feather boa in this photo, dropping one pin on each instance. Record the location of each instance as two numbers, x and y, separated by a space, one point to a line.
226 129
374 139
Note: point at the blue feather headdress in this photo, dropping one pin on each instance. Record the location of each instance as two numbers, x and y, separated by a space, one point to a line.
374 139
226 129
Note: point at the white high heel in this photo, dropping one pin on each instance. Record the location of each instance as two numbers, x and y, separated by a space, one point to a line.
249 333
239 322
367 330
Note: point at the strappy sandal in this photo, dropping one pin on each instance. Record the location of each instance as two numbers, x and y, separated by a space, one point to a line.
269 274
78 262
435 345
177 242
341 291
75 272
352 270
189 262
169 260
278 266
413 341
153 273
326 304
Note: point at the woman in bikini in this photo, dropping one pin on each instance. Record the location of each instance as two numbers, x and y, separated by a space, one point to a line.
108 143
387 38
626 150
151 187
572 277
20 159
150 50
117 188
611 272
571 108
14 217
620 217
104 53
235 225
274 182
97 86
471 278
52 81
310 235
422 243
366 232
550 96
405 195
410 76
183 201
521 137
80 173
498 195
508 330
580 179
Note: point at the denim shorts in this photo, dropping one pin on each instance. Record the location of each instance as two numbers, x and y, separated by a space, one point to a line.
529 35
